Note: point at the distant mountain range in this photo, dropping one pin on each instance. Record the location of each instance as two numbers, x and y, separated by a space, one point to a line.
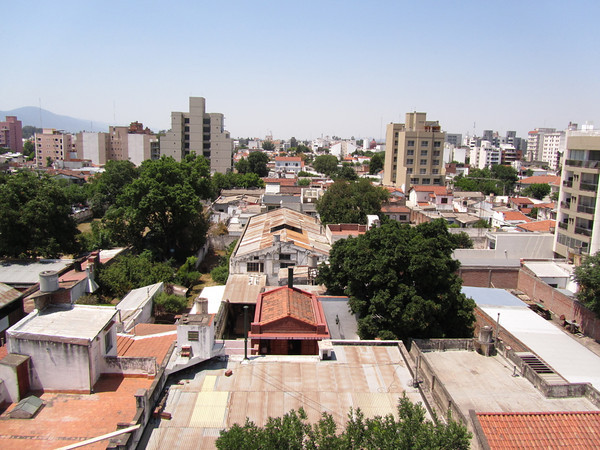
41 118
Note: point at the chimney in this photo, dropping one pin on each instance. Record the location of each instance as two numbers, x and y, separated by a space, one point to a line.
202 307
290 277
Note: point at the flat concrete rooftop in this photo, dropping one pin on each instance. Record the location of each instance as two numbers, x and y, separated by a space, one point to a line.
487 384
371 378
80 321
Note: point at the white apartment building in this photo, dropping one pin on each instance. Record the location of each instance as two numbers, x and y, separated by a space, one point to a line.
535 140
485 155
553 146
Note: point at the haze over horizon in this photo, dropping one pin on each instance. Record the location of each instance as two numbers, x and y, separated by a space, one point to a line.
307 69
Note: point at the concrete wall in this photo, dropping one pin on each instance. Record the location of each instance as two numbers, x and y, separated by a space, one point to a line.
55 365
9 384
130 366
206 338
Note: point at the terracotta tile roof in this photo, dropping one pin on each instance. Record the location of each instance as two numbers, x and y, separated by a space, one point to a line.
545 430
281 181
145 329
545 205
391 190
8 294
541 179
521 201
540 225
515 215
391 208
284 302
288 158
437 190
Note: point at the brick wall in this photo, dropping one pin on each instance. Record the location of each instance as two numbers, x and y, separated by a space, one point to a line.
559 303
497 277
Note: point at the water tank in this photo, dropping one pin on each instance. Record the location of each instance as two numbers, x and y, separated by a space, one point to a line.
312 261
485 334
48 281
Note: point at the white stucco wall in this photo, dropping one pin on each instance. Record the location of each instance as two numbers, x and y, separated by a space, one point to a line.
206 338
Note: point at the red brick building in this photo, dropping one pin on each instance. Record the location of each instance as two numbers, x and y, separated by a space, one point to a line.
288 321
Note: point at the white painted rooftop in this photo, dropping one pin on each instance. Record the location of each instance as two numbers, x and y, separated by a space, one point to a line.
80 322
28 272
138 297
549 269
560 350
214 294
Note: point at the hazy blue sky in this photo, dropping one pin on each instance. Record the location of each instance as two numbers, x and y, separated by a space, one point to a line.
307 68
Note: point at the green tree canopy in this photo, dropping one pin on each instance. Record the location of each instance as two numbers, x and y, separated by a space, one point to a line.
257 162
104 188
242 166
35 217
407 285
499 180
587 275
232 180
326 164
346 172
268 145
350 202
161 209
376 163
537 190
292 431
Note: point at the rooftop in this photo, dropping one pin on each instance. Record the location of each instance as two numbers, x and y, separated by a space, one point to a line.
147 345
8 294
80 322
368 377
27 272
437 190
539 225
541 179
244 288
137 297
283 302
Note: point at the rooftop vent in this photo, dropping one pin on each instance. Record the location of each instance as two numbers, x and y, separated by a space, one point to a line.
49 281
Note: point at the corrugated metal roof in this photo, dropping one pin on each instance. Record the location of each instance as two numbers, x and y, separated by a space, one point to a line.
8 294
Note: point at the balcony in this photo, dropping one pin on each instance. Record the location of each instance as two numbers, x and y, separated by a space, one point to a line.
584 231
586 209
568 183
585 164
562 225
565 205
588 187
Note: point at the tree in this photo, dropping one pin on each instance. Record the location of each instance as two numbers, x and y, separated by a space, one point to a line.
376 163
326 164
131 272
346 172
258 163
161 210
268 145
169 303
350 202
292 431
507 175
29 150
461 240
187 273
587 275
35 217
537 190
104 188
29 131
232 180
242 166
304 182
407 285
293 142
220 274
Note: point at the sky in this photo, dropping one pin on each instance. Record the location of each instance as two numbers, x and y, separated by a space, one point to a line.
307 68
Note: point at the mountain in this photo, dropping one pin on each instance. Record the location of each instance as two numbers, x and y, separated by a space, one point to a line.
30 115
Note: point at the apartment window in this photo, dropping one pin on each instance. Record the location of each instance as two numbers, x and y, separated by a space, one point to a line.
435 171
255 267
423 162
409 161
414 181
409 171
108 343
422 171
410 143
436 153
436 162
193 335
437 181
424 143
186 129
426 181
285 257
410 152
186 120
445 200
402 217
437 144
423 152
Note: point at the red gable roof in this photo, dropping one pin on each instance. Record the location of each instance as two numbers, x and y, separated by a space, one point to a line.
437 190
521 201
288 158
540 225
515 215
541 179
541 430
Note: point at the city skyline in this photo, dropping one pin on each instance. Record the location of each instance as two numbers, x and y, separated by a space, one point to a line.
309 69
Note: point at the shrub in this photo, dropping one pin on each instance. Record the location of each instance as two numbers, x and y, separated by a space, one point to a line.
169 303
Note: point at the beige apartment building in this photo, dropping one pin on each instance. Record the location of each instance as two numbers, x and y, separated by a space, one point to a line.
52 145
578 231
414 153
199 132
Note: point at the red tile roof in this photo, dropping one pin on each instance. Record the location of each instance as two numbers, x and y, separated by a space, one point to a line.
391 208
541 430
541 179
540 225
145 329
515 215
288 158
281 181
283 302
156 345
437 190
520 201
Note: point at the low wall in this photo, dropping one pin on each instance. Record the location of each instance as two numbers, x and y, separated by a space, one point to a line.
221 242
491 277
559 303
130 365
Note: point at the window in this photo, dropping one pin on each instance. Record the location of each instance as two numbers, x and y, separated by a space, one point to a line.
423 152
414 181
193 335
422 171
186 120
285 257
409 170
284 265
410 152
402 217
436 153
255 267
409 161
108 343
426 181
424 143
445 200
437 144
436 162
410 143
435 171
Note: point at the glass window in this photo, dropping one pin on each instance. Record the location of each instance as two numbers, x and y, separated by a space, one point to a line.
410 143
424 143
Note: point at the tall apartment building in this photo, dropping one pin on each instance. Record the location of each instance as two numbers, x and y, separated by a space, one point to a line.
52 145
11 134
132 143
535 139
578 231
414 152
200 132
553 146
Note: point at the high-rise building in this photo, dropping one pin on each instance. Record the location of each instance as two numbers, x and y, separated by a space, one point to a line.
578 231
553 146
11 134
52 145
199 132
535 139
414 152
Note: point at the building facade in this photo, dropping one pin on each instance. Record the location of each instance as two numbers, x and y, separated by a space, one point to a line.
11 134
199 132
52 145
578 231
414 152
